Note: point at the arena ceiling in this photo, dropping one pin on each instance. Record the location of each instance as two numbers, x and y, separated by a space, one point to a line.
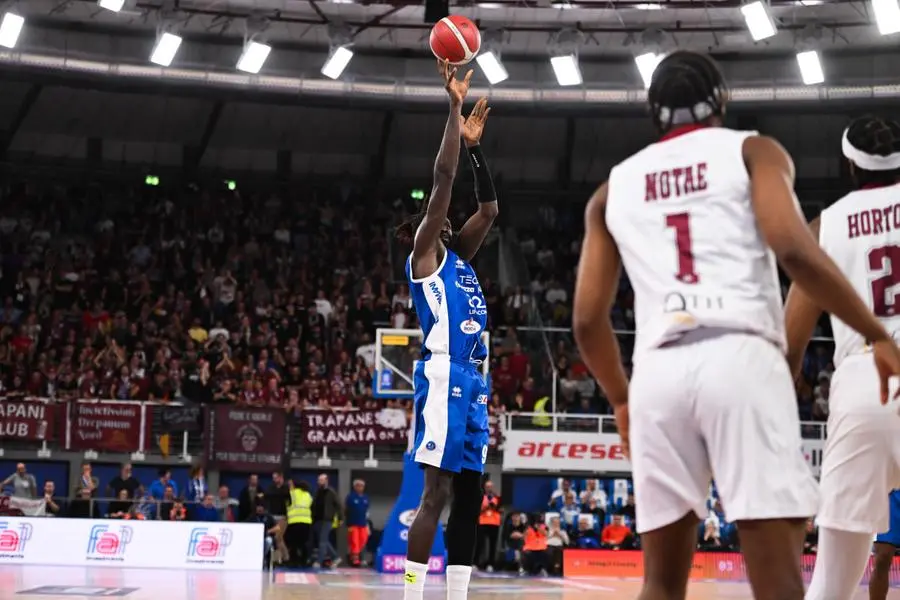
389 39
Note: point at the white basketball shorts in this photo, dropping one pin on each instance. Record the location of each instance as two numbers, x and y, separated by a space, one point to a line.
717 404
861 462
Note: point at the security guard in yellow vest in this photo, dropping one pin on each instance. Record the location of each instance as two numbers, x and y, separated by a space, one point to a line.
299 523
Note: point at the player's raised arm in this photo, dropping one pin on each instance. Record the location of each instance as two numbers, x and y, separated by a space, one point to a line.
476 228
800 317
781 223
595 292
425 244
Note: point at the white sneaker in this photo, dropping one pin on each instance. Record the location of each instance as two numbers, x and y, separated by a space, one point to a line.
543 572
489 569
316 565
336 563
521 571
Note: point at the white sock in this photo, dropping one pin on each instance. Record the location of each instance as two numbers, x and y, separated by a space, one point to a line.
840 563
414 580
458 582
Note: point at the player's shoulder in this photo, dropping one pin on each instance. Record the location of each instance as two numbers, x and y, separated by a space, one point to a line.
706 140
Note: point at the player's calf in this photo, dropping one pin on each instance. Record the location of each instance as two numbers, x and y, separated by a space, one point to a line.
880 580
773 550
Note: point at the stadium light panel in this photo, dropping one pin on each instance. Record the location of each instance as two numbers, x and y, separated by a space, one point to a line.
337 62
165 50
566 69
887 16
646 65
253 57
758 20
492 68
10 28
113 5
810 67
151 180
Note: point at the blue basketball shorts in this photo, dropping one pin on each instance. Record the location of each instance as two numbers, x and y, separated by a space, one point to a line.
451 428
892 536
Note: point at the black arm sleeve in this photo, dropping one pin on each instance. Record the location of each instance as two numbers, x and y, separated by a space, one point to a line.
484 183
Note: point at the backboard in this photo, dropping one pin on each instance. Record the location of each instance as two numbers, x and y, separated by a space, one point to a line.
396 353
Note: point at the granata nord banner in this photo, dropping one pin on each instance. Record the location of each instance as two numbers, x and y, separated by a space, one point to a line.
353 427
247 439
109 426
28 420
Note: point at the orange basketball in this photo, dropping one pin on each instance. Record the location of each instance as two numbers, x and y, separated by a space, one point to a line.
455 38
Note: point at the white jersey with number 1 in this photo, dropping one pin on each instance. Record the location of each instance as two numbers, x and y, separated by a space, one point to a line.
710 391
681 215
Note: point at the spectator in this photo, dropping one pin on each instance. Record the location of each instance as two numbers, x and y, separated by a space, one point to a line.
124 481
628 510
158 487
206 510
593 491
88 481
557 539
260 515
811 541
51 507
515 540
616 534
488 527
357 511
557 498
248 498
83 507
196 487
587 537
121 506
167 503
278 496
534 555
299 524
326 507
226 505
23 483
570 511
712 533
178 512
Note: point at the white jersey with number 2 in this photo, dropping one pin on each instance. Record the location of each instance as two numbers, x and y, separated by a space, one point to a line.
861 233
681 215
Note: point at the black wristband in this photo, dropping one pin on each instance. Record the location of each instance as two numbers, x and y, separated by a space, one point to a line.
484 184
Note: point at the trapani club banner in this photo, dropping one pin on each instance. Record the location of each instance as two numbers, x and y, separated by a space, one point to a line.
29 420
114 427
247 439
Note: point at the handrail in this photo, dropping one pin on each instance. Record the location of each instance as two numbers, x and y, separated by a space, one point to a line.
563 422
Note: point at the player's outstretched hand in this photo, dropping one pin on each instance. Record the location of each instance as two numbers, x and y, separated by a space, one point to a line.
621 413
472 128
456 88
887 361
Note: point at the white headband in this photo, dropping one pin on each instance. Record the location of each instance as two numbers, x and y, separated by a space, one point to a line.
869 162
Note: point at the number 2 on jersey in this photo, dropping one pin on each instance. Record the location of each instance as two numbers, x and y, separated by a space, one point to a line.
681 223
886 260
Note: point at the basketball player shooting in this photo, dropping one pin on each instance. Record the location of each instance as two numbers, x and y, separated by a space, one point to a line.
695 218
861 462
451 427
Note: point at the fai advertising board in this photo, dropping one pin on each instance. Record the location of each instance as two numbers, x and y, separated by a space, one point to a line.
81 542
573 452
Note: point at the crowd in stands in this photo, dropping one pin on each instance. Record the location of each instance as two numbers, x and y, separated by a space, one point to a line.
259 300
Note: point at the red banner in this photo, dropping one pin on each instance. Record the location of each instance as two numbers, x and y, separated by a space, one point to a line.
247 439
354 428
27 420
114 427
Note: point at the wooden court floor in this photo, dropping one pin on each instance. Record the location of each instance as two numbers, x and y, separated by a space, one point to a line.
76 583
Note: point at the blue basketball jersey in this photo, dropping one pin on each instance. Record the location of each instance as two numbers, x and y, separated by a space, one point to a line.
451 310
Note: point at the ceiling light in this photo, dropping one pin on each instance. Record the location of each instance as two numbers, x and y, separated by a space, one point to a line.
758 20
648 6
810 67
10 28
492 68
113 5
337 62
887 16
165 49
566 69
646 64
253 57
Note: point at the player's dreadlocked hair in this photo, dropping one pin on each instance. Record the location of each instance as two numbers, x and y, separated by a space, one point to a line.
872 144
687 87
406 231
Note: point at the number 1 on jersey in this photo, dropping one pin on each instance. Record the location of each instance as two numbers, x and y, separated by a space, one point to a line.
681 223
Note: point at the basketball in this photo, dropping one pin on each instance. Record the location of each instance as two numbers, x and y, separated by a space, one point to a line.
456 39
